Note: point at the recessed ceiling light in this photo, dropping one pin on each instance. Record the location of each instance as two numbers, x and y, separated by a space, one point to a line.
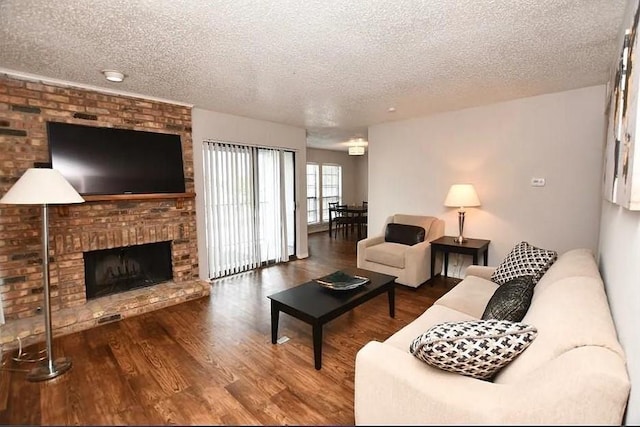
113 75
391 109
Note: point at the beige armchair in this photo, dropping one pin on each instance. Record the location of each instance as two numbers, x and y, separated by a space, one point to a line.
411 264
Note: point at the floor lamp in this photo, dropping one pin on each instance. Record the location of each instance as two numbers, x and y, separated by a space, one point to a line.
44 187
461 196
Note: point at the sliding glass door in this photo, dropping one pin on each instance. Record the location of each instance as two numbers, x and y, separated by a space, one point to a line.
249 207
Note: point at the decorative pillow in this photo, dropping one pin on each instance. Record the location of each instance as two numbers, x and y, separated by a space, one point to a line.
403 233
511 300
476 348
524 260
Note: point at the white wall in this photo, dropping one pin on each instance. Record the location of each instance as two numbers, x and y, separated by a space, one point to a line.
362 178
498 148
619 251
209 125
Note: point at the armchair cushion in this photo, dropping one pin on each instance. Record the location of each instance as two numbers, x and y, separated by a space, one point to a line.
404 234
386 253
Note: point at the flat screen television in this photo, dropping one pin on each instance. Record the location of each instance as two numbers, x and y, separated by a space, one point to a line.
108 161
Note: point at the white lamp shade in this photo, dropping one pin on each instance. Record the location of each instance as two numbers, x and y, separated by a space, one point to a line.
40 186
462 195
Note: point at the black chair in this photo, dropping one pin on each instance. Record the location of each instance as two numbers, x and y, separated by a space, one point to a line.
341 219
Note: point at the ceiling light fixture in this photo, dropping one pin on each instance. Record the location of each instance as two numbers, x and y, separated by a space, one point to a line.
113 75
391 109
356 150
356 147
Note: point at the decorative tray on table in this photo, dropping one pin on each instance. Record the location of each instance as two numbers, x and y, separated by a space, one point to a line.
341 281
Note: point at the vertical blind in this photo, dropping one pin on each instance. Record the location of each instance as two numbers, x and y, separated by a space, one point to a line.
244 207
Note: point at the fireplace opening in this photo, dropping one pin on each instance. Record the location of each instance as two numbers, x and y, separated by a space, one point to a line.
110 271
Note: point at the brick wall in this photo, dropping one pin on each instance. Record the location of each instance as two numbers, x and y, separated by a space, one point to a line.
25 107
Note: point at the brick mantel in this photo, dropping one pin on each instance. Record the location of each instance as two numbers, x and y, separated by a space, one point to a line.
25 107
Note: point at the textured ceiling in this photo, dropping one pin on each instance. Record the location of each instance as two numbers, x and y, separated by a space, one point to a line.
332 67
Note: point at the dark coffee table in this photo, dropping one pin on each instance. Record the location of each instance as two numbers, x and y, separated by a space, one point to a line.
317 305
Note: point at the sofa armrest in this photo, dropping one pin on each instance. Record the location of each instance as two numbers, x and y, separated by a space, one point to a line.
417 262
370 241
588 386
479 271
363 245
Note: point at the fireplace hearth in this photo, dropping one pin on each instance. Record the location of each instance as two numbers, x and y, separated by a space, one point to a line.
111 271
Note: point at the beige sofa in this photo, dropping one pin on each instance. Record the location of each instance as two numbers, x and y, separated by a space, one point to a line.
574 372
410 264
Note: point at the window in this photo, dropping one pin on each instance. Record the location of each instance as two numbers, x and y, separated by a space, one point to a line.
331 188
249 207
321 190
313 193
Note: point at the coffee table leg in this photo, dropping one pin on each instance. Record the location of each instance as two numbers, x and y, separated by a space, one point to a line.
275 317
317 345
392 301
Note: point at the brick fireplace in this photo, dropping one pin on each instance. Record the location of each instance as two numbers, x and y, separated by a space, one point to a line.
98 224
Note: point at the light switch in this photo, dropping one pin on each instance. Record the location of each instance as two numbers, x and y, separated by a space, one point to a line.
537 182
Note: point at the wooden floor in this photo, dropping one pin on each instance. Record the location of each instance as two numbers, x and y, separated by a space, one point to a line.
211 361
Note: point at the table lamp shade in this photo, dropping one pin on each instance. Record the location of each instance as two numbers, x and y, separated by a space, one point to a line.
462 195
41 186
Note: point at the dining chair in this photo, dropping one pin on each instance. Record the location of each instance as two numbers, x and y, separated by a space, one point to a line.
341 219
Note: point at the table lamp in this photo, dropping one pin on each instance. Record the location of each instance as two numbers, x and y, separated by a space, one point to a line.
461 196
44 187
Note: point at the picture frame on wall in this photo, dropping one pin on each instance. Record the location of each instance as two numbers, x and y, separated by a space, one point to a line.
621 184
615 96
628 191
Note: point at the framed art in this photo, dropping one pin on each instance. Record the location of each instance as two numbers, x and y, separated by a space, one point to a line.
621 182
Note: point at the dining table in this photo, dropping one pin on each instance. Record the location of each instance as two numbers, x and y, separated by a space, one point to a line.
357 212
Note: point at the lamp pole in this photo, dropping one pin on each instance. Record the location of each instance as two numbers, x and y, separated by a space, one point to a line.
50 368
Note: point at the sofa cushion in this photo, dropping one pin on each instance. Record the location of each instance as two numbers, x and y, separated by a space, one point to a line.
404 234
434 315
524 260
469 296
572 313
476 348
573 263
511 300
391 254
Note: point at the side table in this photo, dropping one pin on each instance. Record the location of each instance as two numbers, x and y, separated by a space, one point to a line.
448 244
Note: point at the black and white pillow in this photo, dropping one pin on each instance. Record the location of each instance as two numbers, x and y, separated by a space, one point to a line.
511 300
475 348
524 260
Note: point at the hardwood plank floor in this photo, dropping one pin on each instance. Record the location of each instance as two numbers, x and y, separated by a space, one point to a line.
211 361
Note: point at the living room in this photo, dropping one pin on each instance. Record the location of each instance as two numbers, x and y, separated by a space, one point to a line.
499 146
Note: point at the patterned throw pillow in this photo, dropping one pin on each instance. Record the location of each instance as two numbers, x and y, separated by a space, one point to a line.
524 260
476 348
511 300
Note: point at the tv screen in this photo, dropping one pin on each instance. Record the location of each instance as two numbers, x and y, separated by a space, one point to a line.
97 160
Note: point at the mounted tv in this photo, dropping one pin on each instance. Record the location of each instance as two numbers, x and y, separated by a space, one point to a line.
108 161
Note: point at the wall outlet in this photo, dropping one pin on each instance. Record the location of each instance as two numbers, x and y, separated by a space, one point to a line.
537 182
